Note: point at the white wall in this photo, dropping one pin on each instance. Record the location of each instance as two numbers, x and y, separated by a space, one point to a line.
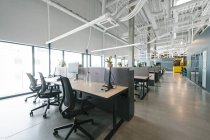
25 21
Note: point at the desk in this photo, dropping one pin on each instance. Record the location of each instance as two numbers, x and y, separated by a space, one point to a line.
142 79
94 88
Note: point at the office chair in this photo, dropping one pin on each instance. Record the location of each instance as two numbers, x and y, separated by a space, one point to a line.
45 93
33 87
73 108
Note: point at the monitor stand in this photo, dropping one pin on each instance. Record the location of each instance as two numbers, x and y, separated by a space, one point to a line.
109 86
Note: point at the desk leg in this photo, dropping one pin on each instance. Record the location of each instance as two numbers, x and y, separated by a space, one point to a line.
114 115
143 91
115 125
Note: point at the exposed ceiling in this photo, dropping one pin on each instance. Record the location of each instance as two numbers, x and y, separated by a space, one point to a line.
177 21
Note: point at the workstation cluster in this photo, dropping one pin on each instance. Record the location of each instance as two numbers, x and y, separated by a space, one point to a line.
89 88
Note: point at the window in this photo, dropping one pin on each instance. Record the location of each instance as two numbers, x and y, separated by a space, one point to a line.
56 59
15 61
41 61
124 62
71 57
95 61
86 60
119 62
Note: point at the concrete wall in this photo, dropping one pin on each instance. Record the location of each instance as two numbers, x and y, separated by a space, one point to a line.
25 21
200 44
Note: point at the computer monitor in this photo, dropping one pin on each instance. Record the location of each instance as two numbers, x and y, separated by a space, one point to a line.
73 68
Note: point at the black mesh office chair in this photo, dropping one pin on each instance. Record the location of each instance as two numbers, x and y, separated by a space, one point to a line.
45 93
73 108
33 87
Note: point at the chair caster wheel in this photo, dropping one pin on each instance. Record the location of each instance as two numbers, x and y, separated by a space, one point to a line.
93 122
45 116
34 102
31 114
55 133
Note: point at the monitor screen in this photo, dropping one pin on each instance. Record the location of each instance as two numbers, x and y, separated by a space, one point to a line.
73 67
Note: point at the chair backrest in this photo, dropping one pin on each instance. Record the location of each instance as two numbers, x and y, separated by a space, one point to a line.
33 83
43 83
68 95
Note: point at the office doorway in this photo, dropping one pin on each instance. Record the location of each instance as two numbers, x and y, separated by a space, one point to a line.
204 69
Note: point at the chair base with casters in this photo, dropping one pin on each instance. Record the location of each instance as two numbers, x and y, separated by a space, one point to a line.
34 101
76 125
47 104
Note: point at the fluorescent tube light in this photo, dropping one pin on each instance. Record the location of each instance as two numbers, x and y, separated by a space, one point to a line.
118 47
99 19
129 45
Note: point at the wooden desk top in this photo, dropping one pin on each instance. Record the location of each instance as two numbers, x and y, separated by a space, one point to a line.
141 77
94 88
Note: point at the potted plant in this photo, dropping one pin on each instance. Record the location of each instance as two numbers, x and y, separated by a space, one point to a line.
139 65
109 65
109 61
62 63
119 64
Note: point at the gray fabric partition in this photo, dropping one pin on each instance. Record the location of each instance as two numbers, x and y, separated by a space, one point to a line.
140 71
120 76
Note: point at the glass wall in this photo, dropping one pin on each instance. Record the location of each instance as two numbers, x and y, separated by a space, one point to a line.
86 60
41 61
95 61
119 62
56 59
15 61
71 57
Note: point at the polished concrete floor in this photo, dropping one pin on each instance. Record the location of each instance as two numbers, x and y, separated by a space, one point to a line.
175 109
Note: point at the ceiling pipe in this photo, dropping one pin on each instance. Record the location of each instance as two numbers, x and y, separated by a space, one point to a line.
61 8
135 11
111 3
125 8
151 18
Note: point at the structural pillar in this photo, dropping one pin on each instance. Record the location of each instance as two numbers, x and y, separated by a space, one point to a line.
49 49
115 60
155 52
131 39
148 47
104 6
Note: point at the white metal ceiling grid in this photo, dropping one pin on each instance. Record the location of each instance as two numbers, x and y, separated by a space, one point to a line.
183 19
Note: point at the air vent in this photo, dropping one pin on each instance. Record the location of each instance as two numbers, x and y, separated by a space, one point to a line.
108 23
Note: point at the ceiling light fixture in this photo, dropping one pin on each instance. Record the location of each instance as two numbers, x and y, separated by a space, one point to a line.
129 45
91 23
118 47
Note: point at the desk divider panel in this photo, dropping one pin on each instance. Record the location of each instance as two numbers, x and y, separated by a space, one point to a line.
120 76
140 71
